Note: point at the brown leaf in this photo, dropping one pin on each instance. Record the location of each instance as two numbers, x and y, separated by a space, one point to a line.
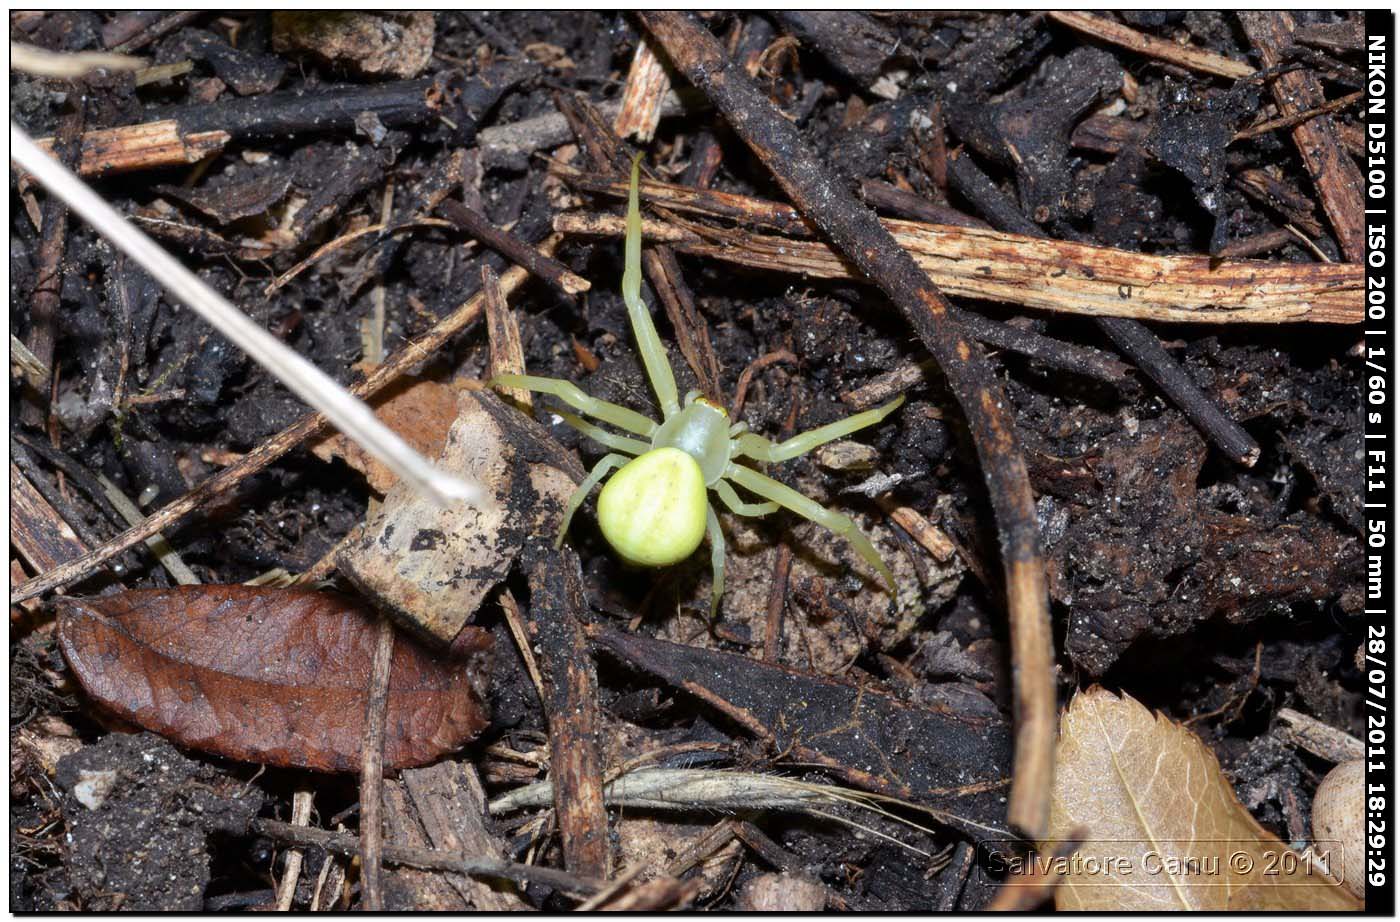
278 676
1164 828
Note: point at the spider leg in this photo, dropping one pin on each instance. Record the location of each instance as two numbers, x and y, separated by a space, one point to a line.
834 522
757 447
716 558
619 443
600 470
569 392
663 380
738 506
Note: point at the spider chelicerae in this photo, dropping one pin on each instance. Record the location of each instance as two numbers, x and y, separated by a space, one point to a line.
655 510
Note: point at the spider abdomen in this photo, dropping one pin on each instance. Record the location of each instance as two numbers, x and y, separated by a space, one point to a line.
652 511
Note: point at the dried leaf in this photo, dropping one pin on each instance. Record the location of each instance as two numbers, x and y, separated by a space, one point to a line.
419 411
431 567
1164 829
278 676
228 201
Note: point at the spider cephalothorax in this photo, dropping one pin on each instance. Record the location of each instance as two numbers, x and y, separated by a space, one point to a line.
655 510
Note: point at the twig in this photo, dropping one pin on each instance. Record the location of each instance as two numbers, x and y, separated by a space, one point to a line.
344 240
1281 197
372 327
658 893
859 236
507 356
954 879
1321 739
38 532
897 201
33 371
48 276
502 41
163 72
163 26
331 108
1152 357
883 387
348 414
148 146
782 566
777 603
161 548
271 450
512 145
762 213
741 388
287 888
1290 121
69 470
930 536
450 806
1183 56
522 642
1257 244
1052 353
182 137
1308 242
372 769
690 789
513 248
556 616
1061 276
692 333
1336 175
341 843
614 887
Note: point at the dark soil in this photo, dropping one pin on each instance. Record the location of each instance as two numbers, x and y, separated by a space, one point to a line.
1170 565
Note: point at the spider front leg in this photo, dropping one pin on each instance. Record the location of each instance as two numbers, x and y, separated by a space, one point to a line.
619 443
600 470
569 392
834 522
761 449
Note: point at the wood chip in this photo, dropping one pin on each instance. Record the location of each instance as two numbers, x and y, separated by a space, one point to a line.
148 146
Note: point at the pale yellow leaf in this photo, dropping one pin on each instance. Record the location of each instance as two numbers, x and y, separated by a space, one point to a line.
1163 827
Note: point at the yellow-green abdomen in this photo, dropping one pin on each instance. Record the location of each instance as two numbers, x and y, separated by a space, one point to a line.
652 511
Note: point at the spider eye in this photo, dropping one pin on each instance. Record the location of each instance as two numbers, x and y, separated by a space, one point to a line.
652 511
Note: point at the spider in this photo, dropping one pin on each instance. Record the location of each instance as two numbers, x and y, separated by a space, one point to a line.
655 510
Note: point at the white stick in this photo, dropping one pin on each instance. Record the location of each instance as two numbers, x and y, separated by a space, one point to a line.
349 415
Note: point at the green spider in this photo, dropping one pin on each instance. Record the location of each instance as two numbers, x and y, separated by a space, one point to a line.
655 510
